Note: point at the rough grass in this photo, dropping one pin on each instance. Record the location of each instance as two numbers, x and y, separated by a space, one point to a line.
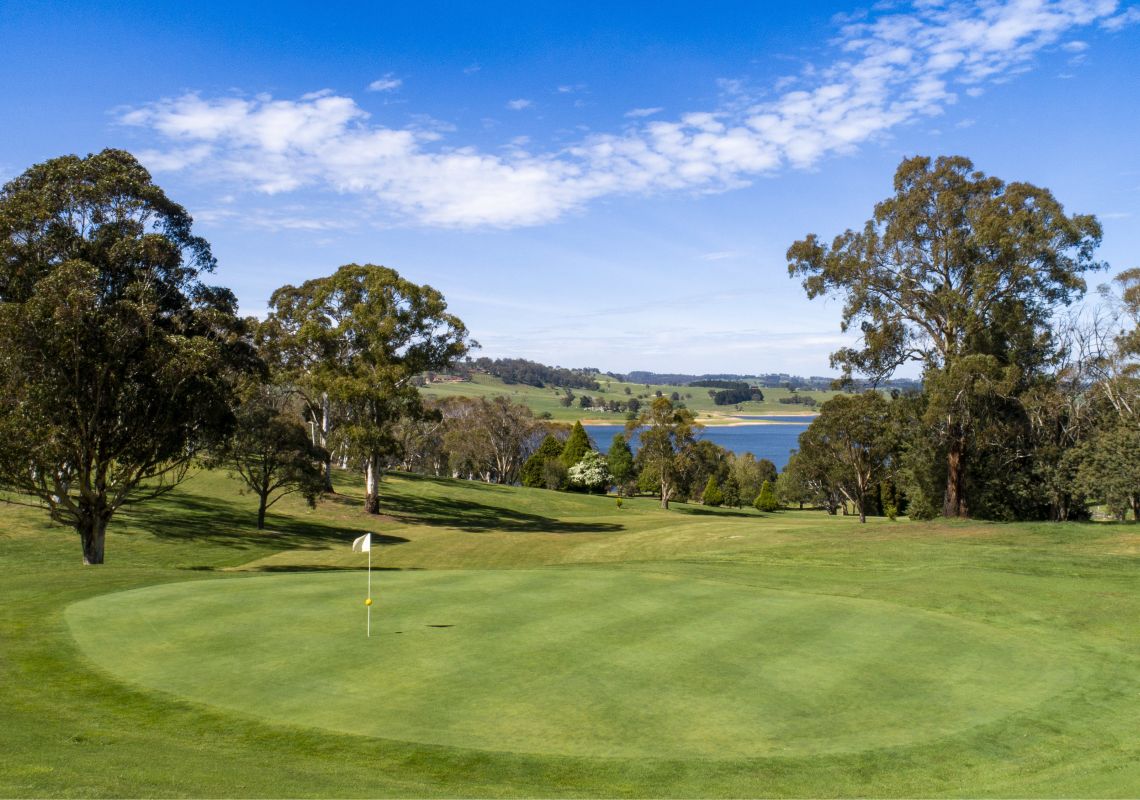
944 659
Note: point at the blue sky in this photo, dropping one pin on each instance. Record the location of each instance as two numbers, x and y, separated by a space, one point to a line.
600 184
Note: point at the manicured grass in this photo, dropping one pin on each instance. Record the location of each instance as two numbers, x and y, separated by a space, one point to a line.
594 651
547 400
572 661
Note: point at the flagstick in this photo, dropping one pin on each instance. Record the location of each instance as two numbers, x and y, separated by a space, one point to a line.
369 592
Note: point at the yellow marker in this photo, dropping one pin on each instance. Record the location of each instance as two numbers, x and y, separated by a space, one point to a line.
368 601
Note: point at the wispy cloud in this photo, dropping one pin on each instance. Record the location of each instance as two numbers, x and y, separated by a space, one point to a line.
388 83
888 68
1130 16
638 113
520 104
719 255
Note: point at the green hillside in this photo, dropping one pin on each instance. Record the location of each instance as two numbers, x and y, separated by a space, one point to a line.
547 400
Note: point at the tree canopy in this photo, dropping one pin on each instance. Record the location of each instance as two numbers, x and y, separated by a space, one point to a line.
852 436
960 272
666 435
361 335
270 451
116 361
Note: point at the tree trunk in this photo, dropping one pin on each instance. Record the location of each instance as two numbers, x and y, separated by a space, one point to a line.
92 533
325 441
664 495
372 485
954 502
261 511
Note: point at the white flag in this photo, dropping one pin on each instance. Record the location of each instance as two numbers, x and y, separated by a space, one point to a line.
362 544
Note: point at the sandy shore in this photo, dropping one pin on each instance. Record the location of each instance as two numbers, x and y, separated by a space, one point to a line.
718 422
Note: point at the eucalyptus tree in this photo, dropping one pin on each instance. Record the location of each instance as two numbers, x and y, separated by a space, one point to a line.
116 362
269 450
852 436
489 439
666 434
360 336
961 273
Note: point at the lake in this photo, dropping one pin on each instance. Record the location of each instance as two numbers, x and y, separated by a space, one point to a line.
773 442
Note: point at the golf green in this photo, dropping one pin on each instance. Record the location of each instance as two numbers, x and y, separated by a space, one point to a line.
574 661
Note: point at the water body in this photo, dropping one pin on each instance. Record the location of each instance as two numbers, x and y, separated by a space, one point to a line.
773 442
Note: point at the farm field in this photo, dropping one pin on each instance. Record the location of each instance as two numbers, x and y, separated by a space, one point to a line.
535 643
547 400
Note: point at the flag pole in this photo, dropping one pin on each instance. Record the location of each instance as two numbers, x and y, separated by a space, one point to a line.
363 544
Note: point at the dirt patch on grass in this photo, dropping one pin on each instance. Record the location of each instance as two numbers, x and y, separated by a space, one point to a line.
1124 544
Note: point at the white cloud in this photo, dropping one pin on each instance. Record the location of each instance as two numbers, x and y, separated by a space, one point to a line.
1076 46
889 69
388 83
637 113
1130 16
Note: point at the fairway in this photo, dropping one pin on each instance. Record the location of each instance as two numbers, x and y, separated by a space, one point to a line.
571 661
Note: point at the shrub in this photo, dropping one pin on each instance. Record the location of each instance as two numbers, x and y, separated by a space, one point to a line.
766 500
712 495
591 474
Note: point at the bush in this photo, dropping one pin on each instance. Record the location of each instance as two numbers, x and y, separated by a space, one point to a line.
591 474
766 500
712 495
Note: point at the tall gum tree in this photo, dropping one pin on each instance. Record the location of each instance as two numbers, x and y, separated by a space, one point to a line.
117 364
961 273
666 433
361 335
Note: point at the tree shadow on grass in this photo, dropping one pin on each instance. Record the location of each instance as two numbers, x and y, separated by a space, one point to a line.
704 512
449 483
479 518
216 522
272 568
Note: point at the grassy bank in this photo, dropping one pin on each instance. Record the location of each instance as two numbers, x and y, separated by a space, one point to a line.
592 650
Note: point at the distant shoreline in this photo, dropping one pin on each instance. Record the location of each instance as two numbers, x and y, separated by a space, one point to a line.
714 423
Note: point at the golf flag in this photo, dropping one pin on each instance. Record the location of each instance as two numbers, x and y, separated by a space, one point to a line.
363 544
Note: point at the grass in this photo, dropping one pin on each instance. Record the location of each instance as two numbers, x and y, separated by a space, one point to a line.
547 400
593 651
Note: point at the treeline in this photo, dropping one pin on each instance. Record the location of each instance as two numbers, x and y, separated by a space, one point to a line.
500 441
731 392
531 373
730 397
799 400
719 384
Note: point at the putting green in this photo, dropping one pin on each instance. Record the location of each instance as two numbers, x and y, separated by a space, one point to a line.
575 661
